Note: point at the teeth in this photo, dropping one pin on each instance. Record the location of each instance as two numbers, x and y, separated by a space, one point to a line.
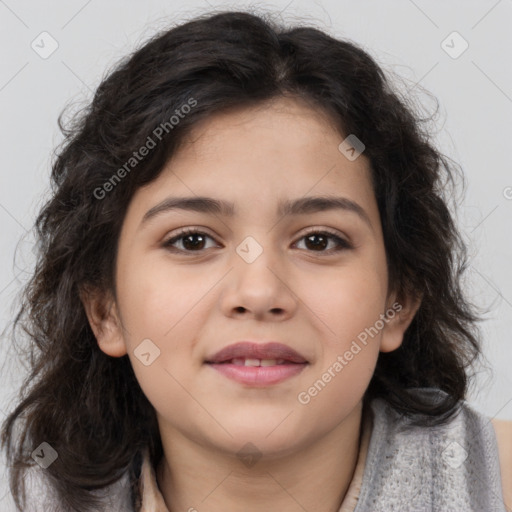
240 361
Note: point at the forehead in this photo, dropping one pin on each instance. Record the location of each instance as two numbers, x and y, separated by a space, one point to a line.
260 156
304 121
285 139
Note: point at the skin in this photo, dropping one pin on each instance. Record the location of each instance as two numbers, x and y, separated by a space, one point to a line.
311 298
503 431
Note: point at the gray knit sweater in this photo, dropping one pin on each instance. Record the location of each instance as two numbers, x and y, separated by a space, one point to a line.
448 468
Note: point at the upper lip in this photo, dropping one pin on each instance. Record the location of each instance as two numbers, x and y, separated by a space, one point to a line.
250 350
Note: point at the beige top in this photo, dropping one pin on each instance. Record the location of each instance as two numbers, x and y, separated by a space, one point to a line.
153 501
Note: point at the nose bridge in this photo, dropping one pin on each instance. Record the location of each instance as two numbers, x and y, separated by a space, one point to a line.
258 263
258 283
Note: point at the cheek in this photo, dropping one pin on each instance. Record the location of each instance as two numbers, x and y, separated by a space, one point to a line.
335 391
346 301
349 304
165 314
349 307
168 306
158 299
157 309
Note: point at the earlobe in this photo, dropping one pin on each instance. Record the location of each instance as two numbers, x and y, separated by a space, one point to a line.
104 320
399 317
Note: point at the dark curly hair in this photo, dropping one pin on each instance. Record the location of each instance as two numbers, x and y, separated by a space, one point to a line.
88 406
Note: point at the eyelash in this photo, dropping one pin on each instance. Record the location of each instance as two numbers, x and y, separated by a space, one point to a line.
342 244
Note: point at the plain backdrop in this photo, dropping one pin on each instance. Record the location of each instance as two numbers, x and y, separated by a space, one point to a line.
414 39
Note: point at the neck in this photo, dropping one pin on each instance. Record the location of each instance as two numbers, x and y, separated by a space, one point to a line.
316 477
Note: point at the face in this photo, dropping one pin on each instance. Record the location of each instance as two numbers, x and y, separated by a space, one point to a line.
314 280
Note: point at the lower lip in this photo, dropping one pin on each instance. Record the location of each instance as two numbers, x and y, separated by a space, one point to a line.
259 376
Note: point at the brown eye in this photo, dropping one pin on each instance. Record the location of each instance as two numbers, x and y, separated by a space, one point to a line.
191 240
317 241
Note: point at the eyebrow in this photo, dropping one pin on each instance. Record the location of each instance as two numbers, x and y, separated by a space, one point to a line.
302 206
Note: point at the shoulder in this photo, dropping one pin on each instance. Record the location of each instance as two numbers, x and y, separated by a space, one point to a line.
455 457
503 429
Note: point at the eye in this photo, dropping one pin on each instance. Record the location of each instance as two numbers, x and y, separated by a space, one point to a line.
319 239
193 240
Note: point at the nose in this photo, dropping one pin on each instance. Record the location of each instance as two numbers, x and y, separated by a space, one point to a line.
260 289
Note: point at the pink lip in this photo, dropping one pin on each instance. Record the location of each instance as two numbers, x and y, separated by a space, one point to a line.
248 350
292 363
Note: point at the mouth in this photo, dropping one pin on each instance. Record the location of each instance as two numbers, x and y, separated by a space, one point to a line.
257 364
241 361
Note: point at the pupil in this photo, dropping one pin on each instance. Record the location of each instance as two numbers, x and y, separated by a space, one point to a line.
189 237
311 237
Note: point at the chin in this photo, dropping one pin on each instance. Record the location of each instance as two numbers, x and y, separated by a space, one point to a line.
254 440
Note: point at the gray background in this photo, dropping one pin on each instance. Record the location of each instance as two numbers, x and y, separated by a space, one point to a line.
473 126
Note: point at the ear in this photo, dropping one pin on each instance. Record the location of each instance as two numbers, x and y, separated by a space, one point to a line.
400 313
101 311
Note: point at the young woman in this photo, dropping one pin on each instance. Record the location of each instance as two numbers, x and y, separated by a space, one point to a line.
248 293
